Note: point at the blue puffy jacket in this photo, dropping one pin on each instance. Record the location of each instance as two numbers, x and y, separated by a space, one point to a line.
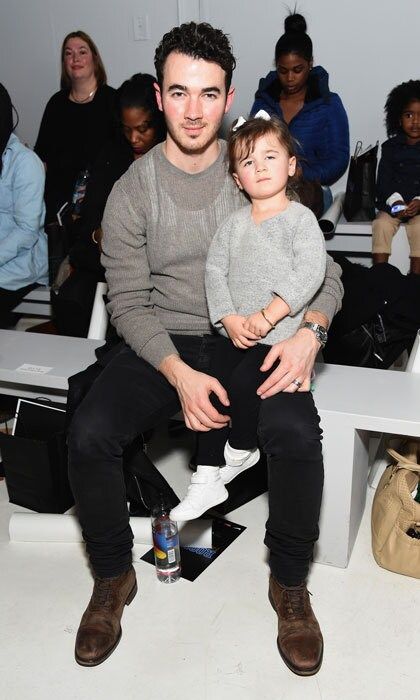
321 127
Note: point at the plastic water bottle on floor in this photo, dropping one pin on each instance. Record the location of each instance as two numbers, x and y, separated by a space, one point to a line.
165 544
79 192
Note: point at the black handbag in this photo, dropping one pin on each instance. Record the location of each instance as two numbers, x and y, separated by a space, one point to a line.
359 200
35 458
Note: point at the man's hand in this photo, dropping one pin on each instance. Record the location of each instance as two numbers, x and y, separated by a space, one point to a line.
194 389
297 356
412 209
257 324
240 337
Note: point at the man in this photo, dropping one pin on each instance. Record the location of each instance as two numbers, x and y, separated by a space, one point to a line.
158 224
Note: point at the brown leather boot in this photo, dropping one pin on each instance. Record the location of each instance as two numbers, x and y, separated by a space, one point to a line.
100 629
299 640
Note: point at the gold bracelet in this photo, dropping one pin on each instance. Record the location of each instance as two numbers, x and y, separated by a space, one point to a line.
273 325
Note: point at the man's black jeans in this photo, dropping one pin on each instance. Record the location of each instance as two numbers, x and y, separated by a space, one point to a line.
130 397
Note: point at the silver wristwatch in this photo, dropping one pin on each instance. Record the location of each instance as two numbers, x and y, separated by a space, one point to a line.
320 332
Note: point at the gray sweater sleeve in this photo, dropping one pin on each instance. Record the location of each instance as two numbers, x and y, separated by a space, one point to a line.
128 273
301 283
327 300
219 298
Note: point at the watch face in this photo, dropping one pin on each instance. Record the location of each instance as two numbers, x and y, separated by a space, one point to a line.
323 335
320 332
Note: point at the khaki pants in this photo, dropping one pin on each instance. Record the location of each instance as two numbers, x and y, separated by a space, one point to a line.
384 227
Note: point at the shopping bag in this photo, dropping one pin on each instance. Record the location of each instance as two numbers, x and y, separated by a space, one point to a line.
35 458
359 200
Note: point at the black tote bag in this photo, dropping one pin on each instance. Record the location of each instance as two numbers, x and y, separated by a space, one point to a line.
359 201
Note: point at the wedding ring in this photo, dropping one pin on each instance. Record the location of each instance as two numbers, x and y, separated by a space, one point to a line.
297 383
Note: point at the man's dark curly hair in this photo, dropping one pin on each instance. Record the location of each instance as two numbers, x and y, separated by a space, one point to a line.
397 100
199 41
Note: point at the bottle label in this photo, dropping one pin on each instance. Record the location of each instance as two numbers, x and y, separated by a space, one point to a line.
79 191
164 548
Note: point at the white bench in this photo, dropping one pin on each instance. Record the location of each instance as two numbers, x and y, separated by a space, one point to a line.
33 364
355 403
354 239
36 303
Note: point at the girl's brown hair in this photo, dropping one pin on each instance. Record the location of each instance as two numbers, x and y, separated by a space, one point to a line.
242 141
100 73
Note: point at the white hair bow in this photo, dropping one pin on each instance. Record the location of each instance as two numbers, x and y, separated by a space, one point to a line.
261 114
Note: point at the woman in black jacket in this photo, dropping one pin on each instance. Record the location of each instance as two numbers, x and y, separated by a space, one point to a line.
140 126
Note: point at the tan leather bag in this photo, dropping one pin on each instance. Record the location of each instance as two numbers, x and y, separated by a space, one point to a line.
394 511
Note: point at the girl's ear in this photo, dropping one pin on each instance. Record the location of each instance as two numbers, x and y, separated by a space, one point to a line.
292 166
237 180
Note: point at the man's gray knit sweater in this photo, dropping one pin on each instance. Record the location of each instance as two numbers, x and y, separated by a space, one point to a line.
249 264
158 225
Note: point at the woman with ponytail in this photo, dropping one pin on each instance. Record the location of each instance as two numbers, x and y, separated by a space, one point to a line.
23 243
299 94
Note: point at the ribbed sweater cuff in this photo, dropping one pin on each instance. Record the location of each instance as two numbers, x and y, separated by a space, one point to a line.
158 347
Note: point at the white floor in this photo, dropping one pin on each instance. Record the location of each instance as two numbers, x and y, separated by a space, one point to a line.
214 639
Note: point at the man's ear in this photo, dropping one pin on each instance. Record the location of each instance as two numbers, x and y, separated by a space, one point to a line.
229 99
158 96
237 180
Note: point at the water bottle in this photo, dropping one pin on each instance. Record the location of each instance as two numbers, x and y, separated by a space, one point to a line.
79 191
165 544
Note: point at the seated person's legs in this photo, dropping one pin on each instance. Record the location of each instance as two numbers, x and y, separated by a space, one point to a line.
241 448
8 300
127 398
239 372
384 228
291 438
412 226
206 488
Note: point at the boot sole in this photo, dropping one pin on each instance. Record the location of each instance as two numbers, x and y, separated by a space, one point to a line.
299 672
97 662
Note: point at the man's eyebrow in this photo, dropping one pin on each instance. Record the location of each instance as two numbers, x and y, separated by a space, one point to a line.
204 91
175 86
211 89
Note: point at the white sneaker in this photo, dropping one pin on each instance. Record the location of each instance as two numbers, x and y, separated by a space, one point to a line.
204 492
237 461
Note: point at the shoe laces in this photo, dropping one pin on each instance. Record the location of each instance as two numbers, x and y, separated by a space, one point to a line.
295 602
102 592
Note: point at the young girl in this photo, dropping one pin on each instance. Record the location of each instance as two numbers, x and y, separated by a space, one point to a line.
264 265
398 181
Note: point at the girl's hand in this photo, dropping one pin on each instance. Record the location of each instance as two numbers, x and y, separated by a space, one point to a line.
257 324
240 337
412 209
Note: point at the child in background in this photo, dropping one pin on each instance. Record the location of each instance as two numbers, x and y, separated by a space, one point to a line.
265 264
398 181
